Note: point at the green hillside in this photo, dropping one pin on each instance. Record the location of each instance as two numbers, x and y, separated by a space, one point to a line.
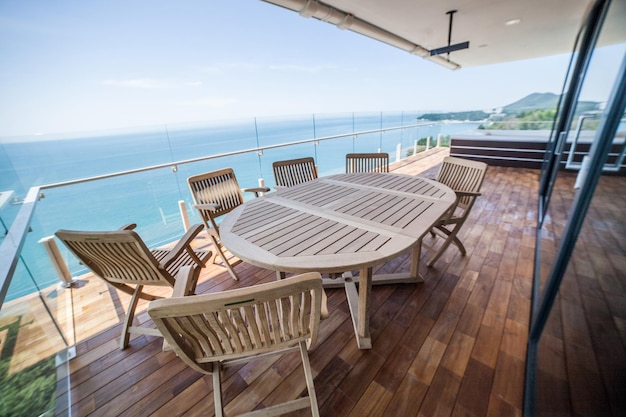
523 107
534 101
476 115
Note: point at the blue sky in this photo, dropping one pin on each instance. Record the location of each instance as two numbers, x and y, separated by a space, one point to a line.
71 66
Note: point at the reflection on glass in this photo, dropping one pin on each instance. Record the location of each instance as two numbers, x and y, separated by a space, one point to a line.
581 359
581 362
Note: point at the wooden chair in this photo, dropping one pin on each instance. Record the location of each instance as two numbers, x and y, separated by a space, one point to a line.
210 332
217 193
294 171
122 259
367 162
465 177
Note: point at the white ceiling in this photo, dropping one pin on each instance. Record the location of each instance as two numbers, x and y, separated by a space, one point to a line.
546 27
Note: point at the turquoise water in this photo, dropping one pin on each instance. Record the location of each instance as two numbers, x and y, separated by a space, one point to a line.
150 199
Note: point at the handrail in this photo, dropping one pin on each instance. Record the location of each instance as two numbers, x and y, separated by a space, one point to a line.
225 154
570 164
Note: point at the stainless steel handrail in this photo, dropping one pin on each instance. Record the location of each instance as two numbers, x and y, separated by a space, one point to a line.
614 167
225 154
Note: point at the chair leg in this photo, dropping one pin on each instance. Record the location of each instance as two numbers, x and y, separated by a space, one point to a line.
459 245
220 251
451 237
217 390
308 375
128 321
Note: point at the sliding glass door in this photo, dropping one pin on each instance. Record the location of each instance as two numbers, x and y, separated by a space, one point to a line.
577 344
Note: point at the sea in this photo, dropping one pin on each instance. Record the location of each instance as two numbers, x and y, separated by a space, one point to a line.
151 198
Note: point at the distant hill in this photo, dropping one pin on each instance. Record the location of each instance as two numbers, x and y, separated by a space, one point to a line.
544 101
534 101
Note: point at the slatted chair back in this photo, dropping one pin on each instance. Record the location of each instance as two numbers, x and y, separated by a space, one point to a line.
294 171
367 162
462 175
215 194
219 188
209 330
117 256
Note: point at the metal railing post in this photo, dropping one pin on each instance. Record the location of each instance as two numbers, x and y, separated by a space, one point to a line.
60 267
182 207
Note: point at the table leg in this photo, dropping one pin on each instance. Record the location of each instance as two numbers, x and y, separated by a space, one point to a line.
358 302
415 260
364 339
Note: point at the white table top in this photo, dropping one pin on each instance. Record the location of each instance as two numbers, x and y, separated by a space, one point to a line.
336 223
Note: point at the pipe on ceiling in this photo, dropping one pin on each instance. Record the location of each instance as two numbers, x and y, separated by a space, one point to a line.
343 20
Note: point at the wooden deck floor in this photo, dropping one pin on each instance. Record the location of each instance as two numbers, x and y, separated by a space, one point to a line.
454 345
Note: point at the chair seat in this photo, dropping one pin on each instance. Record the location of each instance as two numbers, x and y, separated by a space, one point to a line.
184 259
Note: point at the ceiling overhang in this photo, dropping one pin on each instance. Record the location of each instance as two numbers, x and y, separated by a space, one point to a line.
497 30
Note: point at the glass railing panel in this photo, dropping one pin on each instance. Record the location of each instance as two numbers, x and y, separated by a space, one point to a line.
366 121
275 130
333 124
34 367
193 140
11 191
50 159
389 139
331 155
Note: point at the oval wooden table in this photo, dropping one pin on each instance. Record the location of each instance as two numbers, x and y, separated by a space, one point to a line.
337 224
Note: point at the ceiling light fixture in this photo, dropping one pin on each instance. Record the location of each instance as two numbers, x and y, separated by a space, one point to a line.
512 22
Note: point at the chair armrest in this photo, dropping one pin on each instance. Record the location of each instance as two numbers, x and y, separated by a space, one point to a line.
184 281
184 244
256 190
467 194
129 226
206 206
